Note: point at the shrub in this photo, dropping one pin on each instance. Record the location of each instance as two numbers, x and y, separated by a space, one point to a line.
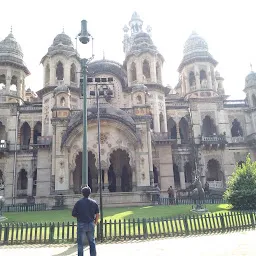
241 189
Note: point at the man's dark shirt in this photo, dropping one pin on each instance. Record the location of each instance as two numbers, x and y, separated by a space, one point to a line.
85 210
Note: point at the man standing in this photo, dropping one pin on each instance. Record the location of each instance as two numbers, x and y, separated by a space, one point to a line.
86 211
170 192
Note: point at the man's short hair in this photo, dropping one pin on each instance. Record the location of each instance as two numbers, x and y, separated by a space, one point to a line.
86 191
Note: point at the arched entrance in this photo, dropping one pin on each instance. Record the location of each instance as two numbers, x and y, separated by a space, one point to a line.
208 128
92 173
120 172
176 175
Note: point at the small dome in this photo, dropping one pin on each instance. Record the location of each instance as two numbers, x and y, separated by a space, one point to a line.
250 79
9 46
195 43
62 39
61 88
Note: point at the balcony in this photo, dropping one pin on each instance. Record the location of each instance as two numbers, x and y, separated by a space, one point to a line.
44 141
237 140
4 146
163 137
214 141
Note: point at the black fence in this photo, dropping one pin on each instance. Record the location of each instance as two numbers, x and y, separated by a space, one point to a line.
177 201
24 207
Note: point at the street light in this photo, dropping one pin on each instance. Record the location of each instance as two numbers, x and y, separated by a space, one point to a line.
84 38
106 93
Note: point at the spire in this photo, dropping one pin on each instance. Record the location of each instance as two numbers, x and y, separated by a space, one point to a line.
251 67
103 56
63 31
11 30
136 23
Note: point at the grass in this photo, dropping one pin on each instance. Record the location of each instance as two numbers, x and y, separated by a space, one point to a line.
112 213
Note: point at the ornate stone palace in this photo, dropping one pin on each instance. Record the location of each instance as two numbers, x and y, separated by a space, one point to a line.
150 133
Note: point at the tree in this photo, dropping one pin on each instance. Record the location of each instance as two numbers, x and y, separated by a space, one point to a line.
241 190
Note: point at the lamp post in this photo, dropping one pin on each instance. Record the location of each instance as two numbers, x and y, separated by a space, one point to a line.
84 38
106 93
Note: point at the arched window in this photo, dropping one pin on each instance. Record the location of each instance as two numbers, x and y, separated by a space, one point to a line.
14 83
208 128
22 182
37 132
172 130
214 172
2 81
133 72
73 73
184 130
236 130
202 76
25 134
59 71
253 100
47 74
62 102
192 79
139 99
146 69
158 73
161 122
3 134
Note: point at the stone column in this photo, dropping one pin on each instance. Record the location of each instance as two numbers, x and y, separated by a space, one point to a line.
106 180
30 186
134 183
182 179
197 76
209 77
178 132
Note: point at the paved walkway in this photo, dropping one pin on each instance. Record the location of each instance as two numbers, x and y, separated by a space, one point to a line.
235 244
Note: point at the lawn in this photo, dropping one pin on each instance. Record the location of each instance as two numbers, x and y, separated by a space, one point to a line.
112 213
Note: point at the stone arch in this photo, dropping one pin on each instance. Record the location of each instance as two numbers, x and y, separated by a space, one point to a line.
236 129
22 181
25 135
59 71
161 122
214 172
158 73
37 132
192 79
146 69
133 72
203 76
172 129
176 175
188 172
62 101
253 100
73 73
47 74
3 133
184 129
14 83
208 127
2 81
120 165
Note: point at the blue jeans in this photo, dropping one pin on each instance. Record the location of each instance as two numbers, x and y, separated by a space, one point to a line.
88 230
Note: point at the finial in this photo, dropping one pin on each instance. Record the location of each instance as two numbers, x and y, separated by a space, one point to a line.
251 66
103 55
11 30
63 31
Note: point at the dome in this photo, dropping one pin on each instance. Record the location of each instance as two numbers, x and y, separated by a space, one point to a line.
11 53
62 39
195 43
61 88
108 67
250 79
107 111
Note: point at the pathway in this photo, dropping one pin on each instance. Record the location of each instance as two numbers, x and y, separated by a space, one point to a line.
235 244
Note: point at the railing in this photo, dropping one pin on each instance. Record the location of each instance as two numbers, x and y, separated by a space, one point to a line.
44 140
24 208
117 230
31 108
162 136
215 184
178 201
237 139
214 139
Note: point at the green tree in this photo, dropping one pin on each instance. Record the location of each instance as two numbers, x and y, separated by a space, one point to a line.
241 189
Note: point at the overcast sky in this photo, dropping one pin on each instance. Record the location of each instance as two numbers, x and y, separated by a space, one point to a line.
227 26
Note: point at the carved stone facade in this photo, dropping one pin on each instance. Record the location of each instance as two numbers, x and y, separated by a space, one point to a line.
149 133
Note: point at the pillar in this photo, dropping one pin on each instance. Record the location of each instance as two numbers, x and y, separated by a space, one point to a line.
209 77
105 171
182 179
197 76
178 132
30 186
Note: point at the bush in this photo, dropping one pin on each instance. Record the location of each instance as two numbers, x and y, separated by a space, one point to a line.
241 189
